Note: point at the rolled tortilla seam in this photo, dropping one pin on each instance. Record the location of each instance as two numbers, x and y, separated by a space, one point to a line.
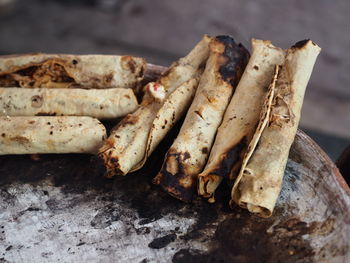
98 103
165 101
70 71
240 119
47 134
189 152
259 182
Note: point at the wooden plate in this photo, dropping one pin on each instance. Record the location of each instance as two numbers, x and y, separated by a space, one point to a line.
61 209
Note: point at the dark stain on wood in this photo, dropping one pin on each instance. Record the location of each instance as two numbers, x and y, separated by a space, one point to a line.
163 241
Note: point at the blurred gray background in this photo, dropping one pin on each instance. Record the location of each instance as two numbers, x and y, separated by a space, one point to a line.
162 31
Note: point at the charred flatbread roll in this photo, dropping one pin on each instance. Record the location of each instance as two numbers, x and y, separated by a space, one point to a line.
46 134
98 103
69 71
189 152
260 179
240 119
165 101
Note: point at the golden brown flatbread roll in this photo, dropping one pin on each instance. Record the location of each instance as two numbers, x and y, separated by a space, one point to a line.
46 134
98 103
165 101
240 119
260 179
69 71
189 152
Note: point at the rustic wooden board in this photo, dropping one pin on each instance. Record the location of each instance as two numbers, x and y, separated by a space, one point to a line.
60 209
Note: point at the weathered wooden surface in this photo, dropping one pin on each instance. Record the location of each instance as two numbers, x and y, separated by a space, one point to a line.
60 209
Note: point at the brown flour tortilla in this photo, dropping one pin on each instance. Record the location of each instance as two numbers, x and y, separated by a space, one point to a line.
260 179
69 71
46 134
240 119
98 103
189 152
139 133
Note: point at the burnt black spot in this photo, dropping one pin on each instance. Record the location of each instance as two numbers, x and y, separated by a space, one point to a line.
33 209
205 150
8 248
162 241
207 214
285 244
301 44
46 114
187 155
256 67
74 62
173 183
3 134
51 132
226 40
231 158
236 58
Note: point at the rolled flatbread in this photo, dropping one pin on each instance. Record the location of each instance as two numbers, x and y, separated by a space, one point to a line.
260 179
46 134
240 119
165 101
98 103
189 152
69 71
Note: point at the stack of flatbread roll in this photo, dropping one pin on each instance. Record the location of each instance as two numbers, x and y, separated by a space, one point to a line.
52 103
241 114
